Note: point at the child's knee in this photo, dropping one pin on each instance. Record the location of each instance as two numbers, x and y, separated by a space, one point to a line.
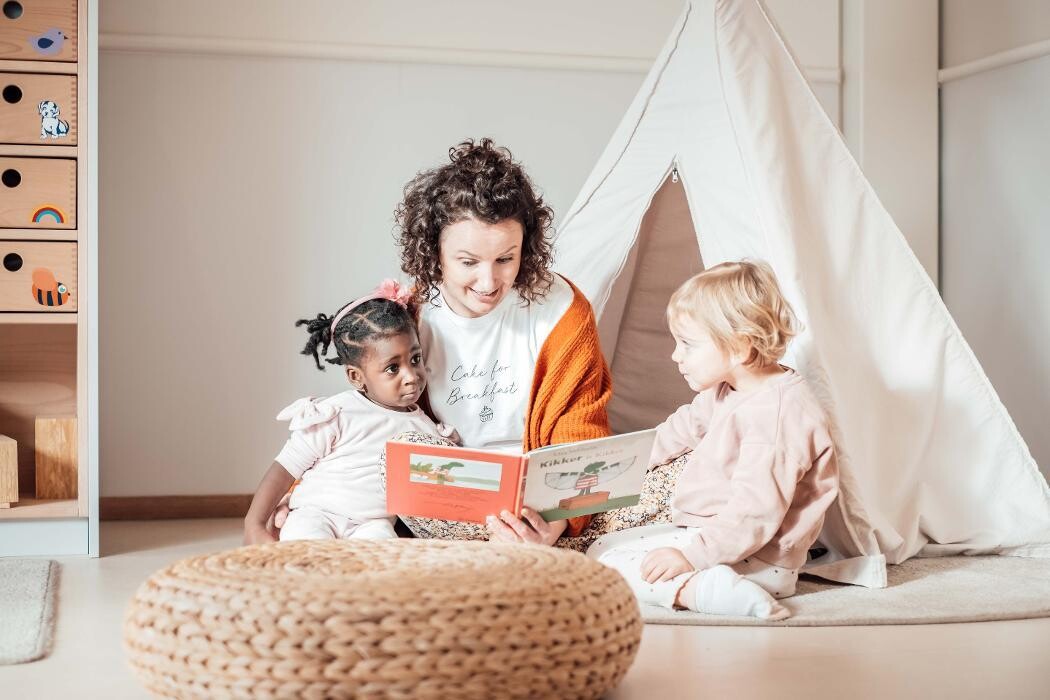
303 524
380 529
626 561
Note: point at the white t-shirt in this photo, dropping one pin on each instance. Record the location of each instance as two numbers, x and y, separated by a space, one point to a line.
335 447
480 369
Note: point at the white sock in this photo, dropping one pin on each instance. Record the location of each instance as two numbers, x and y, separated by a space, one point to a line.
722 591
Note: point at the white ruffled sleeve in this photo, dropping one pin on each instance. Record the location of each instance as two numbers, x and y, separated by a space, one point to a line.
314 432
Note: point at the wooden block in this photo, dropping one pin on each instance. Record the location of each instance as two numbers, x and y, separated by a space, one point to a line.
56 457
8 471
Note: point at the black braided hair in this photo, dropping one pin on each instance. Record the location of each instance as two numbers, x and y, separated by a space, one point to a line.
368 322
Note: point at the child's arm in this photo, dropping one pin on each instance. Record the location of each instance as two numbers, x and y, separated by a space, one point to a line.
313 432
768 486
273 486
683 429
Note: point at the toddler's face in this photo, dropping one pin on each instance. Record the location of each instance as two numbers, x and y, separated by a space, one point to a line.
391 373
479 263
699 359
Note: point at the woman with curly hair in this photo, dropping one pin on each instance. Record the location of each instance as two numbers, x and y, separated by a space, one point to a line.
511 348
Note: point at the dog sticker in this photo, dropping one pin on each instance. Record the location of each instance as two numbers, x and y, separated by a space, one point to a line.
50 124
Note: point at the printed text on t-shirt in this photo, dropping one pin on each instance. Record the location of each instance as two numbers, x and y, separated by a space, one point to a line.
492 387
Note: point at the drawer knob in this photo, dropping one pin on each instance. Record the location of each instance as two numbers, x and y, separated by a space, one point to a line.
12 262
11 178
12 10
12 94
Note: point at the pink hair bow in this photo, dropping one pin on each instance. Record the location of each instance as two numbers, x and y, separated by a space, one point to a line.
389 289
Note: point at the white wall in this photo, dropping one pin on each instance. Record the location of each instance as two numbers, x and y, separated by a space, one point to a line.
890 111
995 200
243 186
976 29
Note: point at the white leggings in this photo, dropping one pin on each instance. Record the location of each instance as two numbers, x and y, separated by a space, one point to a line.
306 523
625 550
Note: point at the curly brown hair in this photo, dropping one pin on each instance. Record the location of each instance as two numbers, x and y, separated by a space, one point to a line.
481 181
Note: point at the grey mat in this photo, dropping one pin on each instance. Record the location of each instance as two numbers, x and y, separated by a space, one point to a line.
920 591
28 588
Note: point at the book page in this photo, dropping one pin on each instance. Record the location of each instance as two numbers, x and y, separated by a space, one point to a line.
450 483
581 478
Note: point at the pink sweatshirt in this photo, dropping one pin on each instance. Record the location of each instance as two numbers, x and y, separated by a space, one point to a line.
761 475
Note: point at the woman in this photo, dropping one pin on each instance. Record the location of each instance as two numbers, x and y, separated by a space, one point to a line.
511 349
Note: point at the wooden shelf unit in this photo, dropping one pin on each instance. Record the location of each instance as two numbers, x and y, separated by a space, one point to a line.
49 357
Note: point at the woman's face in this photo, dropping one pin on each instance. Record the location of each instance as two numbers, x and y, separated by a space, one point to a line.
479 263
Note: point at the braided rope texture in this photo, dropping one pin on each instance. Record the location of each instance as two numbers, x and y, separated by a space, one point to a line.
383 619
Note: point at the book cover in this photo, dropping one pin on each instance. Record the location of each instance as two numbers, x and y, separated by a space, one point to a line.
587 477
559 481
451 483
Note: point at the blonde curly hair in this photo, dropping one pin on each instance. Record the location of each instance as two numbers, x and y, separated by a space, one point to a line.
741 306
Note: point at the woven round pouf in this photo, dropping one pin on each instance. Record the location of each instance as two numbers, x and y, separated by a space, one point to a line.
393 618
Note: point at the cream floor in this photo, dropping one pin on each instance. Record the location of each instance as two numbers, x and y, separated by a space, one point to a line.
982 660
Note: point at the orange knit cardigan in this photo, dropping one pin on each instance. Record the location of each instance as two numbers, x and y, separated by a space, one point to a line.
571 387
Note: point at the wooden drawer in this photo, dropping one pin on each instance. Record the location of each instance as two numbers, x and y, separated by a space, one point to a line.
38 192
38 276
38 109
38 30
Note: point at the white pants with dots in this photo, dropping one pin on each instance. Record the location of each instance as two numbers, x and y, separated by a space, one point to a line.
625 550
306 523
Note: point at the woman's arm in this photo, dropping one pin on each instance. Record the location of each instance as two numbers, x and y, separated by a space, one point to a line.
572 385
274 485
571 388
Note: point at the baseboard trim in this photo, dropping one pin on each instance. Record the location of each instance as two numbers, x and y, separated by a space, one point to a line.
173 507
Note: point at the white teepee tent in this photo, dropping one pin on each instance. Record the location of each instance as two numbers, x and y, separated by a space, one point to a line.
726 154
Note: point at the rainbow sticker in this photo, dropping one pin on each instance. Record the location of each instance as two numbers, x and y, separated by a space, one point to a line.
48 211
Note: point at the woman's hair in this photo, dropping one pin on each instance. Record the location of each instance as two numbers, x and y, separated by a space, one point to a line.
481 181
739 304
364 324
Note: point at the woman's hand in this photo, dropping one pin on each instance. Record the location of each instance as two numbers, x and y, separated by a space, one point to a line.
279 515
664 564
534 530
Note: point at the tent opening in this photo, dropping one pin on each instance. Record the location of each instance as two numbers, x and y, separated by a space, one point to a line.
646 384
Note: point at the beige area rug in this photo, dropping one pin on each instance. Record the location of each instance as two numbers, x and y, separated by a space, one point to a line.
28 588
920 592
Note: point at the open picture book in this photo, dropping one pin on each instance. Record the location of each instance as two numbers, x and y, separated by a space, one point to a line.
559 481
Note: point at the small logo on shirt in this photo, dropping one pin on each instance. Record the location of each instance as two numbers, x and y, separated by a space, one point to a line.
486 414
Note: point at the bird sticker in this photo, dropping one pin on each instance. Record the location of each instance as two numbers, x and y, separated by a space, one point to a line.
47 290
584 480
49 43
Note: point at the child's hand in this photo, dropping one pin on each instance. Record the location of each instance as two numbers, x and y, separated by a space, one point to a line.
664 564
257 534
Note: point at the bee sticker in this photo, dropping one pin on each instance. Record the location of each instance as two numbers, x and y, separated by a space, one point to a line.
47 290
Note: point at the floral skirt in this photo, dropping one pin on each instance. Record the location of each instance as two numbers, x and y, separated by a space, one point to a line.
653 507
